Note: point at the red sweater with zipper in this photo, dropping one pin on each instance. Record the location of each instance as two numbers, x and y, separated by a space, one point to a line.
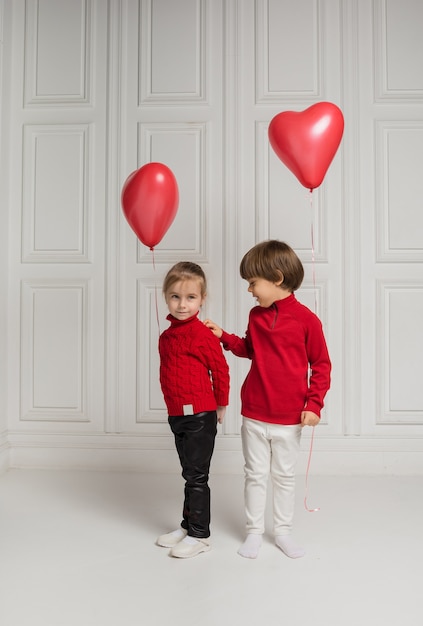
193 370
290 365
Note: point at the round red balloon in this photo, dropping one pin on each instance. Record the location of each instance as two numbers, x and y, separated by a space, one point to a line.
307 141
149 201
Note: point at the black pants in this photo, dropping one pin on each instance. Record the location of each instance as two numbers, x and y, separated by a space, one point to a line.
194 439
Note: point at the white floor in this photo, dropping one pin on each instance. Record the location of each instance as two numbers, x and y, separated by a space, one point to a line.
77 549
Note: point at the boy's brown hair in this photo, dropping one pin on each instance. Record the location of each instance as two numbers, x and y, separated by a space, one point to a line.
273 260
185 270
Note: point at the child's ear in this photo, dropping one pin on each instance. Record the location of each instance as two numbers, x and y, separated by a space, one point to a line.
279 282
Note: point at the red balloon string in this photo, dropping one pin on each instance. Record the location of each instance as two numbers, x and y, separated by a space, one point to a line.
313 269
307 472
313 260
155 293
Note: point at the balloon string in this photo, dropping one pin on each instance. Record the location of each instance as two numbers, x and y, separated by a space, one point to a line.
307 472
313 259
155 293
313 270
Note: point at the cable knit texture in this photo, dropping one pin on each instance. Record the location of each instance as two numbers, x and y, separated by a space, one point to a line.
193 369
283 341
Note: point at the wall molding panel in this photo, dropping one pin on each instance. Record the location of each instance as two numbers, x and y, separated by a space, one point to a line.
56 175
65 27
297 37
172 51
397 59
399 342
399 154
54 351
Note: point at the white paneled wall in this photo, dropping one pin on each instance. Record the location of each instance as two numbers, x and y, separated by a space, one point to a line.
57 212
93 89
391 234
4 451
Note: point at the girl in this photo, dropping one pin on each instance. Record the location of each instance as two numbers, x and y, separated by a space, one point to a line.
194 377
284 339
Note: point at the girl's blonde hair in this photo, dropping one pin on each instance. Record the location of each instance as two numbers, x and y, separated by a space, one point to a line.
185 270
273 260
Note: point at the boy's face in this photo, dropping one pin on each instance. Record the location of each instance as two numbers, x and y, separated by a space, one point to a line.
184 299
266 292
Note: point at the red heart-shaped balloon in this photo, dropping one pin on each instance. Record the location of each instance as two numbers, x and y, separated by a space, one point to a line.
307 141
149 201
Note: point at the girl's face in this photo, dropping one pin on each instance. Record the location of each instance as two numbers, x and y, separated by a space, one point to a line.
266 292
184 299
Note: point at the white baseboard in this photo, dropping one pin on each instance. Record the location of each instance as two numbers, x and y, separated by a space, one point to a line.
330 456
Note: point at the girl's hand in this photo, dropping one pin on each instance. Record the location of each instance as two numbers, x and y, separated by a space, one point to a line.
308 418
216 330
221 410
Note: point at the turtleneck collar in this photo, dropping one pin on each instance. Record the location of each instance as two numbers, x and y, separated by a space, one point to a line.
175 322
284 301
280 305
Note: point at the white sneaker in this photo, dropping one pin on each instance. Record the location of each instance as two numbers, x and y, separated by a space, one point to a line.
185 550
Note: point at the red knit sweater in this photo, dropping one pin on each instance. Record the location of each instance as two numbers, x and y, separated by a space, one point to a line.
283 341
193 369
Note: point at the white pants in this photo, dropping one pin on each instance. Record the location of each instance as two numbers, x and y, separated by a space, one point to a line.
269 449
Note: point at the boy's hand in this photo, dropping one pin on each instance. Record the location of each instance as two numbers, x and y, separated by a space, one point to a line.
216 330
308 418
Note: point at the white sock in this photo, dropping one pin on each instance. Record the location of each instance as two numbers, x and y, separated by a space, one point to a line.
179 533
191 541
289 547
251 546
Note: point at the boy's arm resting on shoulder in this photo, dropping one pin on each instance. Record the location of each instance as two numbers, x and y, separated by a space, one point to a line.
235 344
216 330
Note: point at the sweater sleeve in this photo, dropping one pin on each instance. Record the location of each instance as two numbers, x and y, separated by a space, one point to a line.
219 370
320 367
